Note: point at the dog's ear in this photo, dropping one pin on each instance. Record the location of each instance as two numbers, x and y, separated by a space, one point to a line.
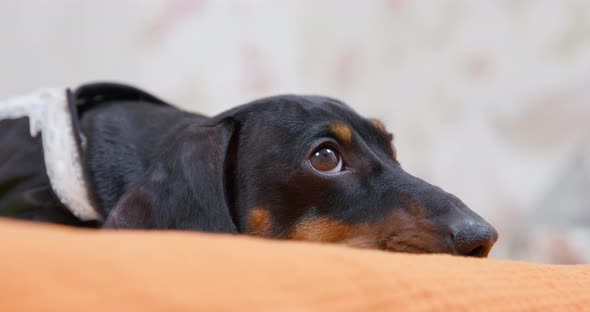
185 188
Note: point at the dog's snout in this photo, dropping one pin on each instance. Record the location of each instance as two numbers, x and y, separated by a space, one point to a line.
440 222
475 239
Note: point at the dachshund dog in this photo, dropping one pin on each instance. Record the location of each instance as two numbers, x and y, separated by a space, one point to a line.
285 167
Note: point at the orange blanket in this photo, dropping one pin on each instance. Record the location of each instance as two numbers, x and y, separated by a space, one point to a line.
55 268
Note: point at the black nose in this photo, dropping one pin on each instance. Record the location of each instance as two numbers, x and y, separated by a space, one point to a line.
475 239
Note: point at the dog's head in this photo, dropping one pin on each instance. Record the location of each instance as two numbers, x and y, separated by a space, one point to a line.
302 168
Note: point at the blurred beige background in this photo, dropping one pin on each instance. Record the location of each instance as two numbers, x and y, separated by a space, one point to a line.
488 99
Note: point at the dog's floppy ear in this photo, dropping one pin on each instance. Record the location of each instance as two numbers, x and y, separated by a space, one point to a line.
184 188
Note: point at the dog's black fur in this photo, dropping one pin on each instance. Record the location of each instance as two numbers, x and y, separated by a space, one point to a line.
248 170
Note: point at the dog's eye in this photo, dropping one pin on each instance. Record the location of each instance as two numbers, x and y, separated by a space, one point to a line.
326 160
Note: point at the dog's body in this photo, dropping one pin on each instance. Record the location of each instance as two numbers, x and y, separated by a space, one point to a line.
287 167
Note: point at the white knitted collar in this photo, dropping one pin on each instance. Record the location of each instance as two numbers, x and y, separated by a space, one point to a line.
49 113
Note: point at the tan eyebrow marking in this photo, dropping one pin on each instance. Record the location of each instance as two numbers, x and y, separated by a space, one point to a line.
342 132
378 124
381 127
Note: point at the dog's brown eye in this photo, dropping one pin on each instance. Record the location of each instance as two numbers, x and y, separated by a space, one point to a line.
326 160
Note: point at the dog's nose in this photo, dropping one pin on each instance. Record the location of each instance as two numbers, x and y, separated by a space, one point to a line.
475 239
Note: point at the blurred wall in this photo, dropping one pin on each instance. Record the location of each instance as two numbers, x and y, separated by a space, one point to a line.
488 99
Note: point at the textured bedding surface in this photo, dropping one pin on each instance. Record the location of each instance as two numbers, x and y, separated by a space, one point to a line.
55 268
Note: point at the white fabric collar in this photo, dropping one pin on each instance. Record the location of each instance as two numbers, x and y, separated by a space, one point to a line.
48 112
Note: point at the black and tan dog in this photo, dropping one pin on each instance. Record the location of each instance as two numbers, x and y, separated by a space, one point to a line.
285 167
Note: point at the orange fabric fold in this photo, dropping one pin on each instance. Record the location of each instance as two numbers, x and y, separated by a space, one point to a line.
54 268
